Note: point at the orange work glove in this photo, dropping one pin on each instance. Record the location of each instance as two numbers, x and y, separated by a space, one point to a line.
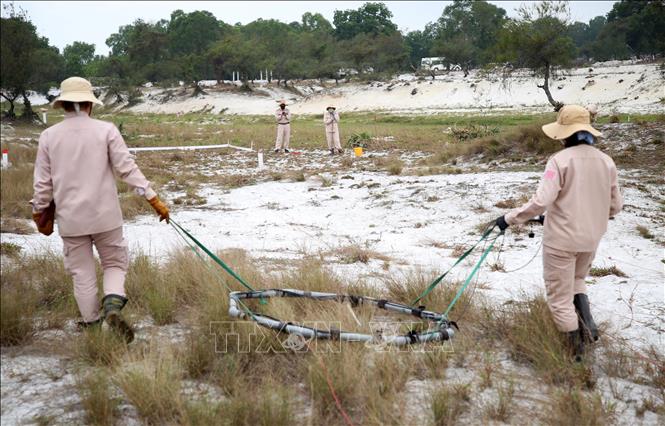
160 208
45 219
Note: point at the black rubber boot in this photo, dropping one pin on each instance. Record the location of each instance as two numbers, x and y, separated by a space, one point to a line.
112 305
588 327
92 325
576 344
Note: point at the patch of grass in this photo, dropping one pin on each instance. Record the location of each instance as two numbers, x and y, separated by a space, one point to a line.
605 271
501 409
17 310
512 203
191 198
15 191
644 232
96 398
153 386
273 404
395 167
298 176
576 407
16 226
356 253
198 355
533 338
10 249
99 347
449 403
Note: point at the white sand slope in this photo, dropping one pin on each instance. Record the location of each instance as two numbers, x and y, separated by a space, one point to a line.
613 86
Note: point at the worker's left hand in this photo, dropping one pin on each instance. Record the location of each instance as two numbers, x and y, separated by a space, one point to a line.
501 223
44 223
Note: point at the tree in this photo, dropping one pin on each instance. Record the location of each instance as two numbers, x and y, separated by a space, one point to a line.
634 28
475 24
538 40
370 18
76 56
315 22
27 61
420 44
192 32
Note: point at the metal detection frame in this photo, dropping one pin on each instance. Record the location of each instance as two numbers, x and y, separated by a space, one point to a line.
444 327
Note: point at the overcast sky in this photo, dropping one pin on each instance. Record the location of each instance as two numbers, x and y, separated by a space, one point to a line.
64 22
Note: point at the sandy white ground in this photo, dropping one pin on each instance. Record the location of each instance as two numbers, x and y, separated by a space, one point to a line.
615 87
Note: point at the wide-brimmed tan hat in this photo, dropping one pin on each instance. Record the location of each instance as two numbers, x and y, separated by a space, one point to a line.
331 106
282 101
571 119
75 89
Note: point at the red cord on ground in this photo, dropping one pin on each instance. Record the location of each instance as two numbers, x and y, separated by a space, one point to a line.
347 419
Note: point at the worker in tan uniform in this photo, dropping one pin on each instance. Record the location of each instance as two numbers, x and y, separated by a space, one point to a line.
331 121
283 117
75 173
580 193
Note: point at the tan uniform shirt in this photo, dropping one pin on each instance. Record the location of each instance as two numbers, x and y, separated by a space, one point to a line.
579 191
331 120
75 166
283 116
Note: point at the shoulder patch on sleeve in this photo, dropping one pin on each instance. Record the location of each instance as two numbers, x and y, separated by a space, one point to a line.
550 174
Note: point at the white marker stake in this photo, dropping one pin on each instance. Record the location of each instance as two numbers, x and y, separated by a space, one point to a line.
44 117
5 158
261 164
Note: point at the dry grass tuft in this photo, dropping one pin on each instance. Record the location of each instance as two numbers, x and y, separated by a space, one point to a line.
96 397
449 403
644 232
99 347
532 337
501 409
10 250
16 226
356 253
573 406
153 385
605 271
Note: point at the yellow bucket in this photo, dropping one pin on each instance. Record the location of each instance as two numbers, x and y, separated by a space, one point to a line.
358 150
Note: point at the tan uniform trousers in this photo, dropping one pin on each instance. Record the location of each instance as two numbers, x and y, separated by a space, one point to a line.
80 263
333 140
564 273
283 136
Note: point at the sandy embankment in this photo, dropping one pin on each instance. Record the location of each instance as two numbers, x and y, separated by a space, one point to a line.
625 88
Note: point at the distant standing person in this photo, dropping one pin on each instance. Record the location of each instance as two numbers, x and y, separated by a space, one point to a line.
75 173
331 120
283 117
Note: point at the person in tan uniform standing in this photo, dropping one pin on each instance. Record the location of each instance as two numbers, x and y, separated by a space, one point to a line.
74 185
331 121
283 117
580 193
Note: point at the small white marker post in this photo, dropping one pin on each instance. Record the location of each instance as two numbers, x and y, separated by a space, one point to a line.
5 158
44 111
261 164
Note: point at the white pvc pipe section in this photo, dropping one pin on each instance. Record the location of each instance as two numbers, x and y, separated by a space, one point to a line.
188 148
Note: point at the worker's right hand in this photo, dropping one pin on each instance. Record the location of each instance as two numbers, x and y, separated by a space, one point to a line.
501 223
160 208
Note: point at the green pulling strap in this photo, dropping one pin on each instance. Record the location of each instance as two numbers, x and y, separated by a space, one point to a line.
473 273
217 260
461 258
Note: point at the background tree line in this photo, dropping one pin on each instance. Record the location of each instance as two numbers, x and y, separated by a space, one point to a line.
196 46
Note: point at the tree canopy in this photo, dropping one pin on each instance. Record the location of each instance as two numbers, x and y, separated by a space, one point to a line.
197 45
